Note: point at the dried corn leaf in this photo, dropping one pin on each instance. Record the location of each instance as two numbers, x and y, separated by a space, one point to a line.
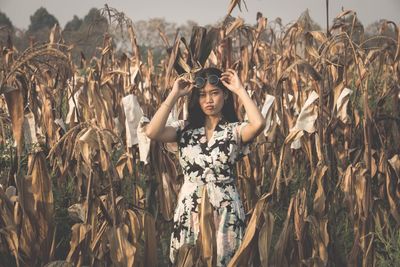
265 238
341 105
308 115
207 231
187 256
122 251
300 215
30 129
320 238
78 212
266 111
319 197
150 241
144 141
79 235
241 256
235 3
392 185
10 235
36 200
133 113
15 106
280 258
236 24
173 57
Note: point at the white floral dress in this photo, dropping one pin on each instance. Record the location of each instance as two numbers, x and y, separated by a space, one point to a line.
210 164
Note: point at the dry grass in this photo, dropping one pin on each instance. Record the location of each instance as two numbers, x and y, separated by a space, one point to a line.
328 158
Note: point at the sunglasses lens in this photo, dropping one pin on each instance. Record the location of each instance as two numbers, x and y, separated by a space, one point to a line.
213 79
199 82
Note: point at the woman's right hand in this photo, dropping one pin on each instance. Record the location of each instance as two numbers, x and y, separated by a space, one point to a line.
182 86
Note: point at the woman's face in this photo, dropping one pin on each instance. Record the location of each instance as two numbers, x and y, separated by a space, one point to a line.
211 100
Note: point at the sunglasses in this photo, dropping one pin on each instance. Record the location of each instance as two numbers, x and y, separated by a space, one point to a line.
200 82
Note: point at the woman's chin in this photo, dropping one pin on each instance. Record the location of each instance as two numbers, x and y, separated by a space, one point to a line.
211 113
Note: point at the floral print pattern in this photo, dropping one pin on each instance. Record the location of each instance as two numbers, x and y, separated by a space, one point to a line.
210 164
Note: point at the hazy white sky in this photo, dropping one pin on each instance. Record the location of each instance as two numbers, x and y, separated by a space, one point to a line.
203 11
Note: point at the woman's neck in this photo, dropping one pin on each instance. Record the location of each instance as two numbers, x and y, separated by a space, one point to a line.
212 121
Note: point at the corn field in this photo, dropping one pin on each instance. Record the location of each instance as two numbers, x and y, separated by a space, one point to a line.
80 186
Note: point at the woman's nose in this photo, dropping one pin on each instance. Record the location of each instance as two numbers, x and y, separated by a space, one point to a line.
208 98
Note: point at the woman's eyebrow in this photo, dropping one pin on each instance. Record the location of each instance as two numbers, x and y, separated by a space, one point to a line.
211 90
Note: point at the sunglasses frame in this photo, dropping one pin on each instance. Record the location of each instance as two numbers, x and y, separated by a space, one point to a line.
200 82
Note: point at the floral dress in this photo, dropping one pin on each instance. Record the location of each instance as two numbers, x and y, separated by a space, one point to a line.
210 164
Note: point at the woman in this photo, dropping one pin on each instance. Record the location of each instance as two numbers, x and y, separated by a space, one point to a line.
209 143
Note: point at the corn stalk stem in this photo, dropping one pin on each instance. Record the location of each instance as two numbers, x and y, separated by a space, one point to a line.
327 18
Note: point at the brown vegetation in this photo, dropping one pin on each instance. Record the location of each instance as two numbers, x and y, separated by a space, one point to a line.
320 188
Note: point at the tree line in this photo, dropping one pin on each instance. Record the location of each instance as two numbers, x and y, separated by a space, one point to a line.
87 34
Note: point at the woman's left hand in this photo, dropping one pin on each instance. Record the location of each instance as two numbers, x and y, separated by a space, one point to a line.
231 80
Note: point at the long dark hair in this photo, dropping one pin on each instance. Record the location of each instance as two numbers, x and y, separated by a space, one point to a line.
196 116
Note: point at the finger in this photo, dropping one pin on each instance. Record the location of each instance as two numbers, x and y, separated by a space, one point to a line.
188 89
188 85
225 79
183 79
229 73
226 74
186 82
227 85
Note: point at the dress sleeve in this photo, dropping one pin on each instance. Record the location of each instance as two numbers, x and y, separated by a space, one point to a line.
243 148
179 125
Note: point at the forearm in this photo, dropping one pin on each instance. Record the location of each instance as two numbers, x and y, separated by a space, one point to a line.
256 120
157 123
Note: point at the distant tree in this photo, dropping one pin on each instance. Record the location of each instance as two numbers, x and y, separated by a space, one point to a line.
379 33
381 27
187 28
6 29
5 21
41 19
86 34
94 17
74 24
148 31
351 25
307 23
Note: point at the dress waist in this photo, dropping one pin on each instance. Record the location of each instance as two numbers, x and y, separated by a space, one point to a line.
201 182
219 192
